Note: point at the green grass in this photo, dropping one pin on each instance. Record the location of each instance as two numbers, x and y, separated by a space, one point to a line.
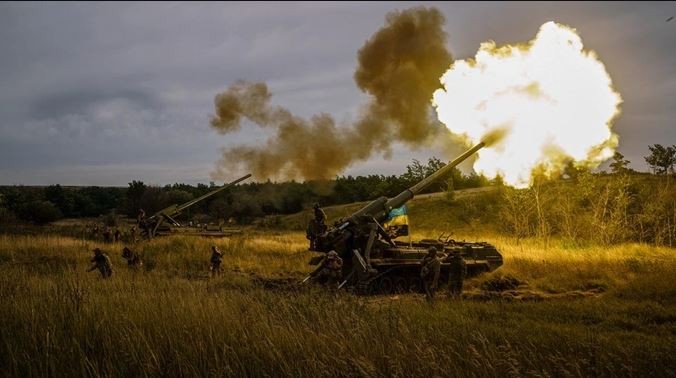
172 320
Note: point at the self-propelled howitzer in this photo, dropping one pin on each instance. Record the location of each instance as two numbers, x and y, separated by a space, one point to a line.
375 262
151 225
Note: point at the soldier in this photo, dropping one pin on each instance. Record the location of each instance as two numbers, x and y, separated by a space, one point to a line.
456 273
142 223
216 256
107 235
429 272
316 226
132 234
101 262
118 235
320 217
95 232
329 271
133 259
141 216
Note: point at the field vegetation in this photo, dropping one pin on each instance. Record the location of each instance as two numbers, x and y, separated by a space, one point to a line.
577 311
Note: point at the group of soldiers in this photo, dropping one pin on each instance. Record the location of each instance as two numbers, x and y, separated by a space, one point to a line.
329 271
431 267
110 236
101 262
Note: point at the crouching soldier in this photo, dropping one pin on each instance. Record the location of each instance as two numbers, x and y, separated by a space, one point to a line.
457 271
133 259
429 273
329 271
216 257
101 262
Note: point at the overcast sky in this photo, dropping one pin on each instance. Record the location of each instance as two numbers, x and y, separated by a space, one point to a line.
105 93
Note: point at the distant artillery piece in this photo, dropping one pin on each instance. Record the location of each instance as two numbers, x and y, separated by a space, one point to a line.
156 225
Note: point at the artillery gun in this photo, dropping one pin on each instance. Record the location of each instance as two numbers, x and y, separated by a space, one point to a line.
375 263
159 224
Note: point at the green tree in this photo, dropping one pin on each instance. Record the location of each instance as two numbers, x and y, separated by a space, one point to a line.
134 194
40 212
619 164
661 159
62 198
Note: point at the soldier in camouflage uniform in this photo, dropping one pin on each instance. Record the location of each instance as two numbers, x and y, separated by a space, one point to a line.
133 259
216 257
101 262
456 274
142 222
117 235
316 227
429 272
320 215
329 271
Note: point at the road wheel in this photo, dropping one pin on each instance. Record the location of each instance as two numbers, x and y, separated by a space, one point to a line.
386 285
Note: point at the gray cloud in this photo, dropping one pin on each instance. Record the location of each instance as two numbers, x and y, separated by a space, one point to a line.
109 92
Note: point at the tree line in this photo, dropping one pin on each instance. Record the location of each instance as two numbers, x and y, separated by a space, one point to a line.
242 203
580 206
628 206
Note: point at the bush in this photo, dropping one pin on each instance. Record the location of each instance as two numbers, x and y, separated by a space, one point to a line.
40 212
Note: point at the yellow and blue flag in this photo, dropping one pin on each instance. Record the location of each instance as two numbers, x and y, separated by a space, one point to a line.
398 219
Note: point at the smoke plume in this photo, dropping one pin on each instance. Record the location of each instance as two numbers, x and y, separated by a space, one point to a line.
399 67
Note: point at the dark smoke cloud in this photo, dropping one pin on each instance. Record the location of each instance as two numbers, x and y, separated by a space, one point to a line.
399 67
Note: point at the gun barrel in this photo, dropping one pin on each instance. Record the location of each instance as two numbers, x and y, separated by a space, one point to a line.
379 208
417 188
409 193
211 193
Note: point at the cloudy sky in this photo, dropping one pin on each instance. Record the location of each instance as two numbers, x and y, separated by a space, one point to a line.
106 93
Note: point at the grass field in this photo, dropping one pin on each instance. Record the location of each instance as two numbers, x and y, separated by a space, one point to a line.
580 311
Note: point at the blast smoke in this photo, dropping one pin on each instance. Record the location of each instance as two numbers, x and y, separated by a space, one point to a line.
399 67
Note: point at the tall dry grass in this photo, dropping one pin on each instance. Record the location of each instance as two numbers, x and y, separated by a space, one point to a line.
172 320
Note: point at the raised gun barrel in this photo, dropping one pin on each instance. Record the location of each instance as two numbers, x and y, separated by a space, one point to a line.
211 193
381 207
170 212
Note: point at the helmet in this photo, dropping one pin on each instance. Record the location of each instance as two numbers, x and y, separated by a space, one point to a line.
97 251
316 205
432 251
332 254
